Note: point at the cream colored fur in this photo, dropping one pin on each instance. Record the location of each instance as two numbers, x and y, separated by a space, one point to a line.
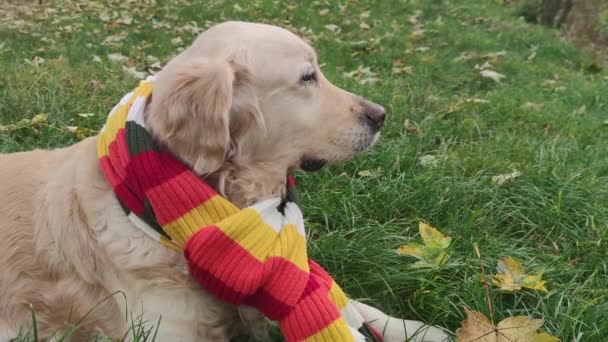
233 108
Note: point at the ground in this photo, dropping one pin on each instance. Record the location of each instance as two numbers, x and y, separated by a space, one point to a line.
449 132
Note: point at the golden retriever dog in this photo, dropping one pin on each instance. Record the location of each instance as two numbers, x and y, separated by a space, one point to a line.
244 106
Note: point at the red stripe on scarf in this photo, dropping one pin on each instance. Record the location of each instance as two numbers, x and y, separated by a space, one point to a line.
177 195
303 322
231 273
122 191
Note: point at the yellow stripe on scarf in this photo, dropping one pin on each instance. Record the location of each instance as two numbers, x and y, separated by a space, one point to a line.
261 242
117 119
333 332
337 296
205 214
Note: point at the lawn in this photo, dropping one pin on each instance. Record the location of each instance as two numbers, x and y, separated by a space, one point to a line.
448 134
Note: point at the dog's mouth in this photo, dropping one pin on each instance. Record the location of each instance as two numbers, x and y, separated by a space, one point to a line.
312 164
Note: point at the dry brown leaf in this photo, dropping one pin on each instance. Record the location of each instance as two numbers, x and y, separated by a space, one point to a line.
478 328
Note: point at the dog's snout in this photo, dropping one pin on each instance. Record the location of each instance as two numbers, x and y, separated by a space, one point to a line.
374 113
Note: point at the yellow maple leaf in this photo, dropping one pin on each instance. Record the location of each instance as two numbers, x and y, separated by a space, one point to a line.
39 119
477 327
79 132
512 277
430 254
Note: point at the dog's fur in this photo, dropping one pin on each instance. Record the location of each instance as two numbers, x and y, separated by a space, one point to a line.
243 106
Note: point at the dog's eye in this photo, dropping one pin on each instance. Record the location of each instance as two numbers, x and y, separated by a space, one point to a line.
308 78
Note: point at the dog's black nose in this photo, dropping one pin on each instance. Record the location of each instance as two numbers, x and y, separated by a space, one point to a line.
374 114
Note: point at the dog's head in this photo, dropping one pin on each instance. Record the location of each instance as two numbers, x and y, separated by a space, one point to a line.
251 98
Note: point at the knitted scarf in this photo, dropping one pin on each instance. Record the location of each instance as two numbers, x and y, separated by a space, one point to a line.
255 256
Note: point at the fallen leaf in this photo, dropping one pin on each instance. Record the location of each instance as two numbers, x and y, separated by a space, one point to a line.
501 179
534 48
363 75
428 160
105 17
399 68
477 327
493 75
410 127
125 20
36 61
430 254
476 101
79 132
417 33
95 84
333 28
550 82
413 19
132 71
512 277
485 65
495 55
428 58
369 80
365 173
370 173
532 105
580 110
464 56
39 119
115 40
177 41
117 57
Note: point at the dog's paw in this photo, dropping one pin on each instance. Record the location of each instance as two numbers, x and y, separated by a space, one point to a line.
398 330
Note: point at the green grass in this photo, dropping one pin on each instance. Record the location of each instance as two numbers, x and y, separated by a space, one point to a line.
554 216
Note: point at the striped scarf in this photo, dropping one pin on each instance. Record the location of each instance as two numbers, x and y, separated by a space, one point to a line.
255 256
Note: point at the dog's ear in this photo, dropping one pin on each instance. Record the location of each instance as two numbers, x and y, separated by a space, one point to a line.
191 108
245 112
